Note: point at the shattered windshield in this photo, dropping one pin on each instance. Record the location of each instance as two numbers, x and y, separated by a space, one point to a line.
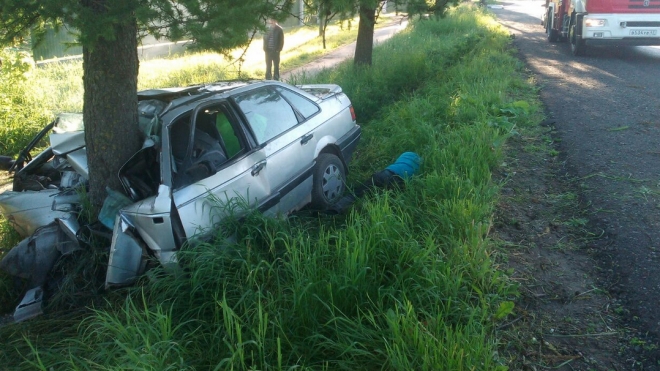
69 122
148 111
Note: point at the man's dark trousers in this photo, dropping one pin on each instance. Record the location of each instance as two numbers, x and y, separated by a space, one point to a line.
272 60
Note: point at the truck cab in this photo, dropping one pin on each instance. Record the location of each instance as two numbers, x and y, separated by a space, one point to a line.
585 23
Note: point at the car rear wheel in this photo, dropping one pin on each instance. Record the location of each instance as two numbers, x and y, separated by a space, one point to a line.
328 181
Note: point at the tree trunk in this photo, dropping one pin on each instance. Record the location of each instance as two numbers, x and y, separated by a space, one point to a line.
364 45
319 18
325 27
110 70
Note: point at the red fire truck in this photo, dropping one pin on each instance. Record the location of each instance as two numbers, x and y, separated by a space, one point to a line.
602 22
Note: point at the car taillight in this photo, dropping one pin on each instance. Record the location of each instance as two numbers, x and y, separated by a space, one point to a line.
352 113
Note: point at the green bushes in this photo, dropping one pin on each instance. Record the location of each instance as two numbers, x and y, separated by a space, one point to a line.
20 120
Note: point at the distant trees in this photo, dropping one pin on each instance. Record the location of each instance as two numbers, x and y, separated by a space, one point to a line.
327 10
368 10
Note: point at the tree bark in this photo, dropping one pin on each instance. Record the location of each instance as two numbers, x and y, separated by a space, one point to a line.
364 45
110 69
319 18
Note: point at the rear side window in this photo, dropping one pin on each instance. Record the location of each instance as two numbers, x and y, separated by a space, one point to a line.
304 106
268 114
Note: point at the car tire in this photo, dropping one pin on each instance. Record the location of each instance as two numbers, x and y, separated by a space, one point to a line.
328 181
578 47
553 35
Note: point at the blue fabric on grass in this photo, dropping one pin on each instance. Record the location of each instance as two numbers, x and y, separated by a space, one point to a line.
406 165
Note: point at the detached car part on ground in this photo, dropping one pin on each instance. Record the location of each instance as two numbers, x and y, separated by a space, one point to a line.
261 145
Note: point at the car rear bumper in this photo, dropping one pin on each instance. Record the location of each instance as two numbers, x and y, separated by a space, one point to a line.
626 41
621 29
348 142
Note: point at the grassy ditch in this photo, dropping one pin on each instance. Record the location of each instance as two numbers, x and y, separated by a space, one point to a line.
406 280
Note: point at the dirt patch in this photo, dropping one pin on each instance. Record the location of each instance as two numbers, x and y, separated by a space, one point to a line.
565 317
588 267
6 182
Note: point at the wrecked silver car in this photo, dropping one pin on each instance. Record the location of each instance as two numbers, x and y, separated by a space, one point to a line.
273 146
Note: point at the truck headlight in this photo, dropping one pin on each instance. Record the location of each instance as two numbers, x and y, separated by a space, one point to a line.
595 22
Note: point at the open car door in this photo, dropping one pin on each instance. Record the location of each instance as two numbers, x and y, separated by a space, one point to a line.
148 227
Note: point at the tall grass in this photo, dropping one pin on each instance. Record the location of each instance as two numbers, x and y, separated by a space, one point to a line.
403 281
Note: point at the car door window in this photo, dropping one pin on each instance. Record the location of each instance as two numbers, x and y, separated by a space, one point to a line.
267 113
304 106
228 134
199 150
179 143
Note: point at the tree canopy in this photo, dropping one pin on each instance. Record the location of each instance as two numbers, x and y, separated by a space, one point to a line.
368 10
211 24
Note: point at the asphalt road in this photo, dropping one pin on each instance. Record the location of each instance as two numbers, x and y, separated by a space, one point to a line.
605 110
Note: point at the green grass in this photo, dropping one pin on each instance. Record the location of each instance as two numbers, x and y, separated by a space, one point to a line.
403 281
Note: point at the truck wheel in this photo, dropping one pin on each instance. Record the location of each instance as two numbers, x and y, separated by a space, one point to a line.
328 182
553 35
578 47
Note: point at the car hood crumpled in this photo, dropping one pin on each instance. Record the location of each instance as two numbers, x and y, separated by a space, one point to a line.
44 205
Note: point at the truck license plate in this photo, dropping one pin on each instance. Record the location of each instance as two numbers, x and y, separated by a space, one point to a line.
643 32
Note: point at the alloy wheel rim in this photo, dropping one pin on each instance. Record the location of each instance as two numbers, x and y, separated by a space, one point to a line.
332 183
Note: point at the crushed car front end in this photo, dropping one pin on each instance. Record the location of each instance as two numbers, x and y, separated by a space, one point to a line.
159 209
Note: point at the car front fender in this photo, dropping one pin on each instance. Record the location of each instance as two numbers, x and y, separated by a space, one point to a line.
127 260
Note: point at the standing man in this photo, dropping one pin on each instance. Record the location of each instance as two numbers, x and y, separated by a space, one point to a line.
273 43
